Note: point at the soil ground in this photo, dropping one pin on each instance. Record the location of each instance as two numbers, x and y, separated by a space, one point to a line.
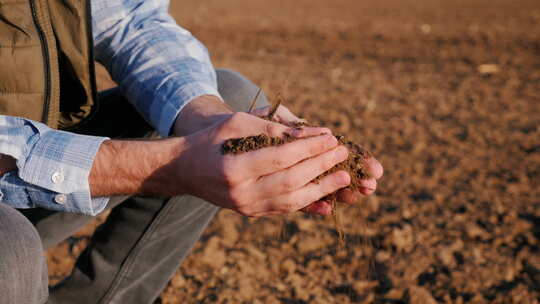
446 94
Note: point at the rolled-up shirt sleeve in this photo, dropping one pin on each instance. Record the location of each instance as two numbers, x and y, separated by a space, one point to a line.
52 167
159 66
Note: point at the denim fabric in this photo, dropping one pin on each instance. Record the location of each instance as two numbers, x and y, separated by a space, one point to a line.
23 269
133 255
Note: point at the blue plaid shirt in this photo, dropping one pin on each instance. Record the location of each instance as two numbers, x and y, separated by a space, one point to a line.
159 66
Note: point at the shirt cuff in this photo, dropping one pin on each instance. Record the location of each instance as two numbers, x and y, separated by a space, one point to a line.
56 168
22 195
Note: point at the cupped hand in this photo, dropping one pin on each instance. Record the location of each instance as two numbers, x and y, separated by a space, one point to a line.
367 186
272 180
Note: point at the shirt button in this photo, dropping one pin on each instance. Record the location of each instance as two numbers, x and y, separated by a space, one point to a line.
57 177
60 198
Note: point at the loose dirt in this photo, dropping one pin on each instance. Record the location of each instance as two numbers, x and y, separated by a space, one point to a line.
354 164
446 94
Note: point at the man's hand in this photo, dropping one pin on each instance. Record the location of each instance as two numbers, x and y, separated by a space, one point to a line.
283 115
207 110
268 181
271 180
367 187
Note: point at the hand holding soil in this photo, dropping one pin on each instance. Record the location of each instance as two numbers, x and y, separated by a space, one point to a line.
363 169
275 180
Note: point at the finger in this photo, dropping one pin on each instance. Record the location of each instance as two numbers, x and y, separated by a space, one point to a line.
275 129
271 159
368 186
297 176
348 196
241 124
263 111
307 131
284 115
272 129
374 167
237 126
311 193
319 207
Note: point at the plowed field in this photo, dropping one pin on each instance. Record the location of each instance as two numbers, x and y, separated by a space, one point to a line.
446 94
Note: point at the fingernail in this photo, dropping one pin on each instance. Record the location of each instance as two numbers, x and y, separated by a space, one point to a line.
341 154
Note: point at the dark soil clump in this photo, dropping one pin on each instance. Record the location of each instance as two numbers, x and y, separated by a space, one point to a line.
354 165
250 143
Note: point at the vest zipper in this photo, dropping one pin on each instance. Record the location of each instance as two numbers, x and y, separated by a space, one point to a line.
46 56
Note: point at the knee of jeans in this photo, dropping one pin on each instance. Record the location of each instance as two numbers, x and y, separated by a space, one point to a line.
21 250
238 91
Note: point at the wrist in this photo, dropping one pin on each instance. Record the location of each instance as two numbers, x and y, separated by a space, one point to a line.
199 114
136 167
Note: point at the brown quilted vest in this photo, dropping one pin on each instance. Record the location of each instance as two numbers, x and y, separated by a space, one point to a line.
46 61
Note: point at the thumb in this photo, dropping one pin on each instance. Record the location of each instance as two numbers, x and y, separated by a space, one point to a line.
283 115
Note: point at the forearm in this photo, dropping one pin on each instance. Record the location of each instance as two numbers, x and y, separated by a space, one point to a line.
136 167
199 114
144 166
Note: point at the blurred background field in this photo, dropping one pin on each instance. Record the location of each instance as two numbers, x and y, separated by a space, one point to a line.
446 94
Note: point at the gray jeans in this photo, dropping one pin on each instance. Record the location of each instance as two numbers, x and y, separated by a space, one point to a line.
131 256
